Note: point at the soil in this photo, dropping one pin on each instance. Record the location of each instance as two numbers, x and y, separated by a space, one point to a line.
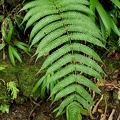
30 111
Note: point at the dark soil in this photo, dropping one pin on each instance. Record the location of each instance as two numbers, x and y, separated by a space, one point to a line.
30 110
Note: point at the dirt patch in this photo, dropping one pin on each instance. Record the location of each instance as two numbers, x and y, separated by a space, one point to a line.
30 111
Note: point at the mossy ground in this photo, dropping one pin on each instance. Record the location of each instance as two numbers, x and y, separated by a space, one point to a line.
23 74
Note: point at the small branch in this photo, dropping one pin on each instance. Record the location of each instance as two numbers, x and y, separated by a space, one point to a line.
103 116
2 81
118 117
93 96
111 115
96 106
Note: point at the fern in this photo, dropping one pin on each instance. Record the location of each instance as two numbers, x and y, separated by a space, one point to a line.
73 110
64 28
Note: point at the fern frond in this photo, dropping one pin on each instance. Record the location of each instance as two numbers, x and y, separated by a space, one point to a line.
72 68
76 89
64 28
80 68
72 1
33 11
63 39
69 99
73 111
67 48
74 58
74 79
58 26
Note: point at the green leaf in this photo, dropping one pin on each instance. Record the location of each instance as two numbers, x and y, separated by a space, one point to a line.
11 56
11 28
4 108
113 26
2 46
4 34
16 54
13 53
7 29
23 46
33 4
18 20
37 85
116 2
73 79
103 30
104 17
73 111
69 99
11 87
1 17
2 67
71 89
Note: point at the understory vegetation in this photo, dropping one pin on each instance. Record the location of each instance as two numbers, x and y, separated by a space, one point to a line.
56 50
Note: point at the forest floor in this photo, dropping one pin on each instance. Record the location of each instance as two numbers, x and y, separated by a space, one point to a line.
107 105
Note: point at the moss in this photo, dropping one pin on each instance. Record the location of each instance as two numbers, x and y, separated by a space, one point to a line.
27 77
23 74
4 95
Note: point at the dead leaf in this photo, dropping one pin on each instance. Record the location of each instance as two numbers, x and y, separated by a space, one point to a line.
111 54
115 55
110 85
116 73
100 110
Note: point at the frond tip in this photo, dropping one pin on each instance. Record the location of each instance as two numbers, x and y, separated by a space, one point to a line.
74 111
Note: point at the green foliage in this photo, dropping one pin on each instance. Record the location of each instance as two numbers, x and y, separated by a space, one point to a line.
65 30
9 91
2 67
9 40
73 110
119 41
11 87
106 21
4 108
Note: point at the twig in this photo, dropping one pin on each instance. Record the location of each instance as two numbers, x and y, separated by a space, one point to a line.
2 81
32 111
92 117
118 117
36 105
93 96
103 116
96 106
111 115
